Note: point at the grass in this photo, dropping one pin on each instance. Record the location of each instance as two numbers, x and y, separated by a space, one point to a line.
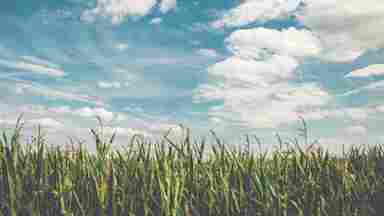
187 178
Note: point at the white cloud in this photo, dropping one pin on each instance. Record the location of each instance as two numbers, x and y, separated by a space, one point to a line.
118 10
36 66
156 21
68 112
121 131
349 33
262 73
375 87
33 109
108 85
356 114
380 108
259 43
46 122
261 107
371 70
347 28
93 112
39 61
250 11
86 112
356 130
255 84
167 5
176 131
60 110
308 94
35 89
121 46
64 121
340 144
7 122
211 53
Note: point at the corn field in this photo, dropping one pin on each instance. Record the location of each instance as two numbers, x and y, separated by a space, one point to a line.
186 178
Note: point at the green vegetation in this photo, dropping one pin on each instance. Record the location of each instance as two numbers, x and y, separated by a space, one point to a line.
187 178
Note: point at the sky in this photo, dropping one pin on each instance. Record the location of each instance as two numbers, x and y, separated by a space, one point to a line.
235 66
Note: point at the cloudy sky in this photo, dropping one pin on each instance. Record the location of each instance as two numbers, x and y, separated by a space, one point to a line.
235 66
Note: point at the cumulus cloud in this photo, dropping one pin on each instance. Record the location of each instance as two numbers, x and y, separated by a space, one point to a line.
156 21
371 70
250 11
261 73
34 65
261 42
260 107
67 112
122 131
347 28
380 108
61 122
108 85
93 112
87 112
167 5
46 122
118 10
173 131
255 84
211 53
356 130
7 122
356 114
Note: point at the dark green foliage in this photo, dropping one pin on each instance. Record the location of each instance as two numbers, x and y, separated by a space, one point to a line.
187 178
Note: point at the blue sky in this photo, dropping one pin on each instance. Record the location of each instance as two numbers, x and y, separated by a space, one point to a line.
250 66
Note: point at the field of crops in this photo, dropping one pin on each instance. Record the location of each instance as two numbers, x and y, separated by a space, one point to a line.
187 177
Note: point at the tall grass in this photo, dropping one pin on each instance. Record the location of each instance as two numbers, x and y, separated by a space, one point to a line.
186 178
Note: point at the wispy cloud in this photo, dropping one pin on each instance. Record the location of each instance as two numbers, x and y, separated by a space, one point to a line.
50 93
238 66
211 53
108 85
34 65
371 70
370 88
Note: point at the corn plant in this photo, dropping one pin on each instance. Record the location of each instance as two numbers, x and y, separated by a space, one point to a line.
187 177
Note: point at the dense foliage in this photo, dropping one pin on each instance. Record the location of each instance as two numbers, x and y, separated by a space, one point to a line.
188 178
